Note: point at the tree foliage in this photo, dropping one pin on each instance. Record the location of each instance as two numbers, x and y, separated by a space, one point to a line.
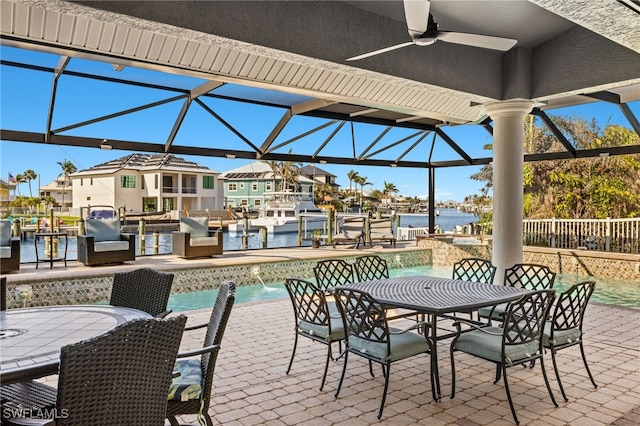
597 187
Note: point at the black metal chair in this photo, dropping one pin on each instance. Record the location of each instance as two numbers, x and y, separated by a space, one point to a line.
474 269
529 276
518 342
332 272
564 329
371 267
145 289
120 377
196 374
369 335
313 318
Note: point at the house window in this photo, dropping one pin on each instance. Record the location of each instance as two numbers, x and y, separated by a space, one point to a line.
127 181
155 181
233 187
142 182
268 186
150 204
81 182
167 204
254 186
244 203
207 182
257 203
241 185
91 181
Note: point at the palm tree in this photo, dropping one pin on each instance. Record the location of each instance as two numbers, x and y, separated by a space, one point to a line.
276 169
19 179
362 181
352 175
29 175
290 173
389 189
67 168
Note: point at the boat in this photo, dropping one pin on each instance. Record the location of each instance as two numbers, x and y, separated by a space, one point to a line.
280 214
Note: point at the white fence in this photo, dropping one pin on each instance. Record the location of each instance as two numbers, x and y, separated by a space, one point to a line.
409 234
613 235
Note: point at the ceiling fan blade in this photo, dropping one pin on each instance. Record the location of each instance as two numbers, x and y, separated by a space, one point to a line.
416 13
477 40
379 51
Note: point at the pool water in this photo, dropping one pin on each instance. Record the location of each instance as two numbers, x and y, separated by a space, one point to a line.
625 293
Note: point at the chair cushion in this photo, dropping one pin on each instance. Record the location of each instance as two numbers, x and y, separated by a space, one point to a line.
195 226
5 252
103 229
188 385
103 246
203 241
498 312
560 337
337 328
403 345
5 232
489 346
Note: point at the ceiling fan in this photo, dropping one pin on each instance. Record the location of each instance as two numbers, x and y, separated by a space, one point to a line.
424 31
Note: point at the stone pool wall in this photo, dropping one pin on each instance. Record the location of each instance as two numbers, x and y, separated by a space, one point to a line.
447 250
61 290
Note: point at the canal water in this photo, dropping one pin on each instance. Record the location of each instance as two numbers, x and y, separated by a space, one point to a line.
446 221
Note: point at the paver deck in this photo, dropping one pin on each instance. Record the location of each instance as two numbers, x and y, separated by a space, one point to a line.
251 387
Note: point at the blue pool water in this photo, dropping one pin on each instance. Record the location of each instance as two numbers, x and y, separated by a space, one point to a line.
623 293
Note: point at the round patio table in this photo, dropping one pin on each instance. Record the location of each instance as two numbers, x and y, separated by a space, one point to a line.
31 338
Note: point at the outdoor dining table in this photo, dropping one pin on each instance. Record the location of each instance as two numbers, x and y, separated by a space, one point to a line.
31 338
436 297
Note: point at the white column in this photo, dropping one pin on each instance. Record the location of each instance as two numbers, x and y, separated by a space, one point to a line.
508 161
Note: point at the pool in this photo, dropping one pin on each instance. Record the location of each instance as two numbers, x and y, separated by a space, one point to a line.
623 293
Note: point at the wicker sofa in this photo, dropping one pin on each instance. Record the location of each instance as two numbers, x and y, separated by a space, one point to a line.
195 239
104 244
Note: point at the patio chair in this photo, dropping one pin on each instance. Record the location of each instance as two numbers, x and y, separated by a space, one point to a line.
195 239
190 392
370 336
523 275
564 329
3 293
145 289
381 230
313 318
352 233
104 244
9 249
518 342
475 270
332 272
121 375
371 267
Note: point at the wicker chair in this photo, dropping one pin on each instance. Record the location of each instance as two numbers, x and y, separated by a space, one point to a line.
564 329
120 377
196 374
103 243
517 342
370 336
9 249
332 272
145 289
195 239
371 267
475 270
3 293
524 275
313 318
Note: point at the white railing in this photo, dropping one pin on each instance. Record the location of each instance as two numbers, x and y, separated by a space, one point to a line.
613 235
409 234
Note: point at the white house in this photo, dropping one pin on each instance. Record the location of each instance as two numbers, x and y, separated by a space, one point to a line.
149 183
60 189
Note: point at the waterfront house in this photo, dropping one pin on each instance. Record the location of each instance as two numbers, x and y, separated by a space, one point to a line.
150 183
6 195
60 189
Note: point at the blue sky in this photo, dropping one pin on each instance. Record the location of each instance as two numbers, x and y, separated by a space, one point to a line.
24 96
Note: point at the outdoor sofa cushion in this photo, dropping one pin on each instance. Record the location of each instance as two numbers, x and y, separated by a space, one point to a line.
103 229
203 241
188 385
195 226
5 233
5 252
104 246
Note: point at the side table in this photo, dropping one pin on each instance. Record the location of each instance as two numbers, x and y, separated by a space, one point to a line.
51 236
